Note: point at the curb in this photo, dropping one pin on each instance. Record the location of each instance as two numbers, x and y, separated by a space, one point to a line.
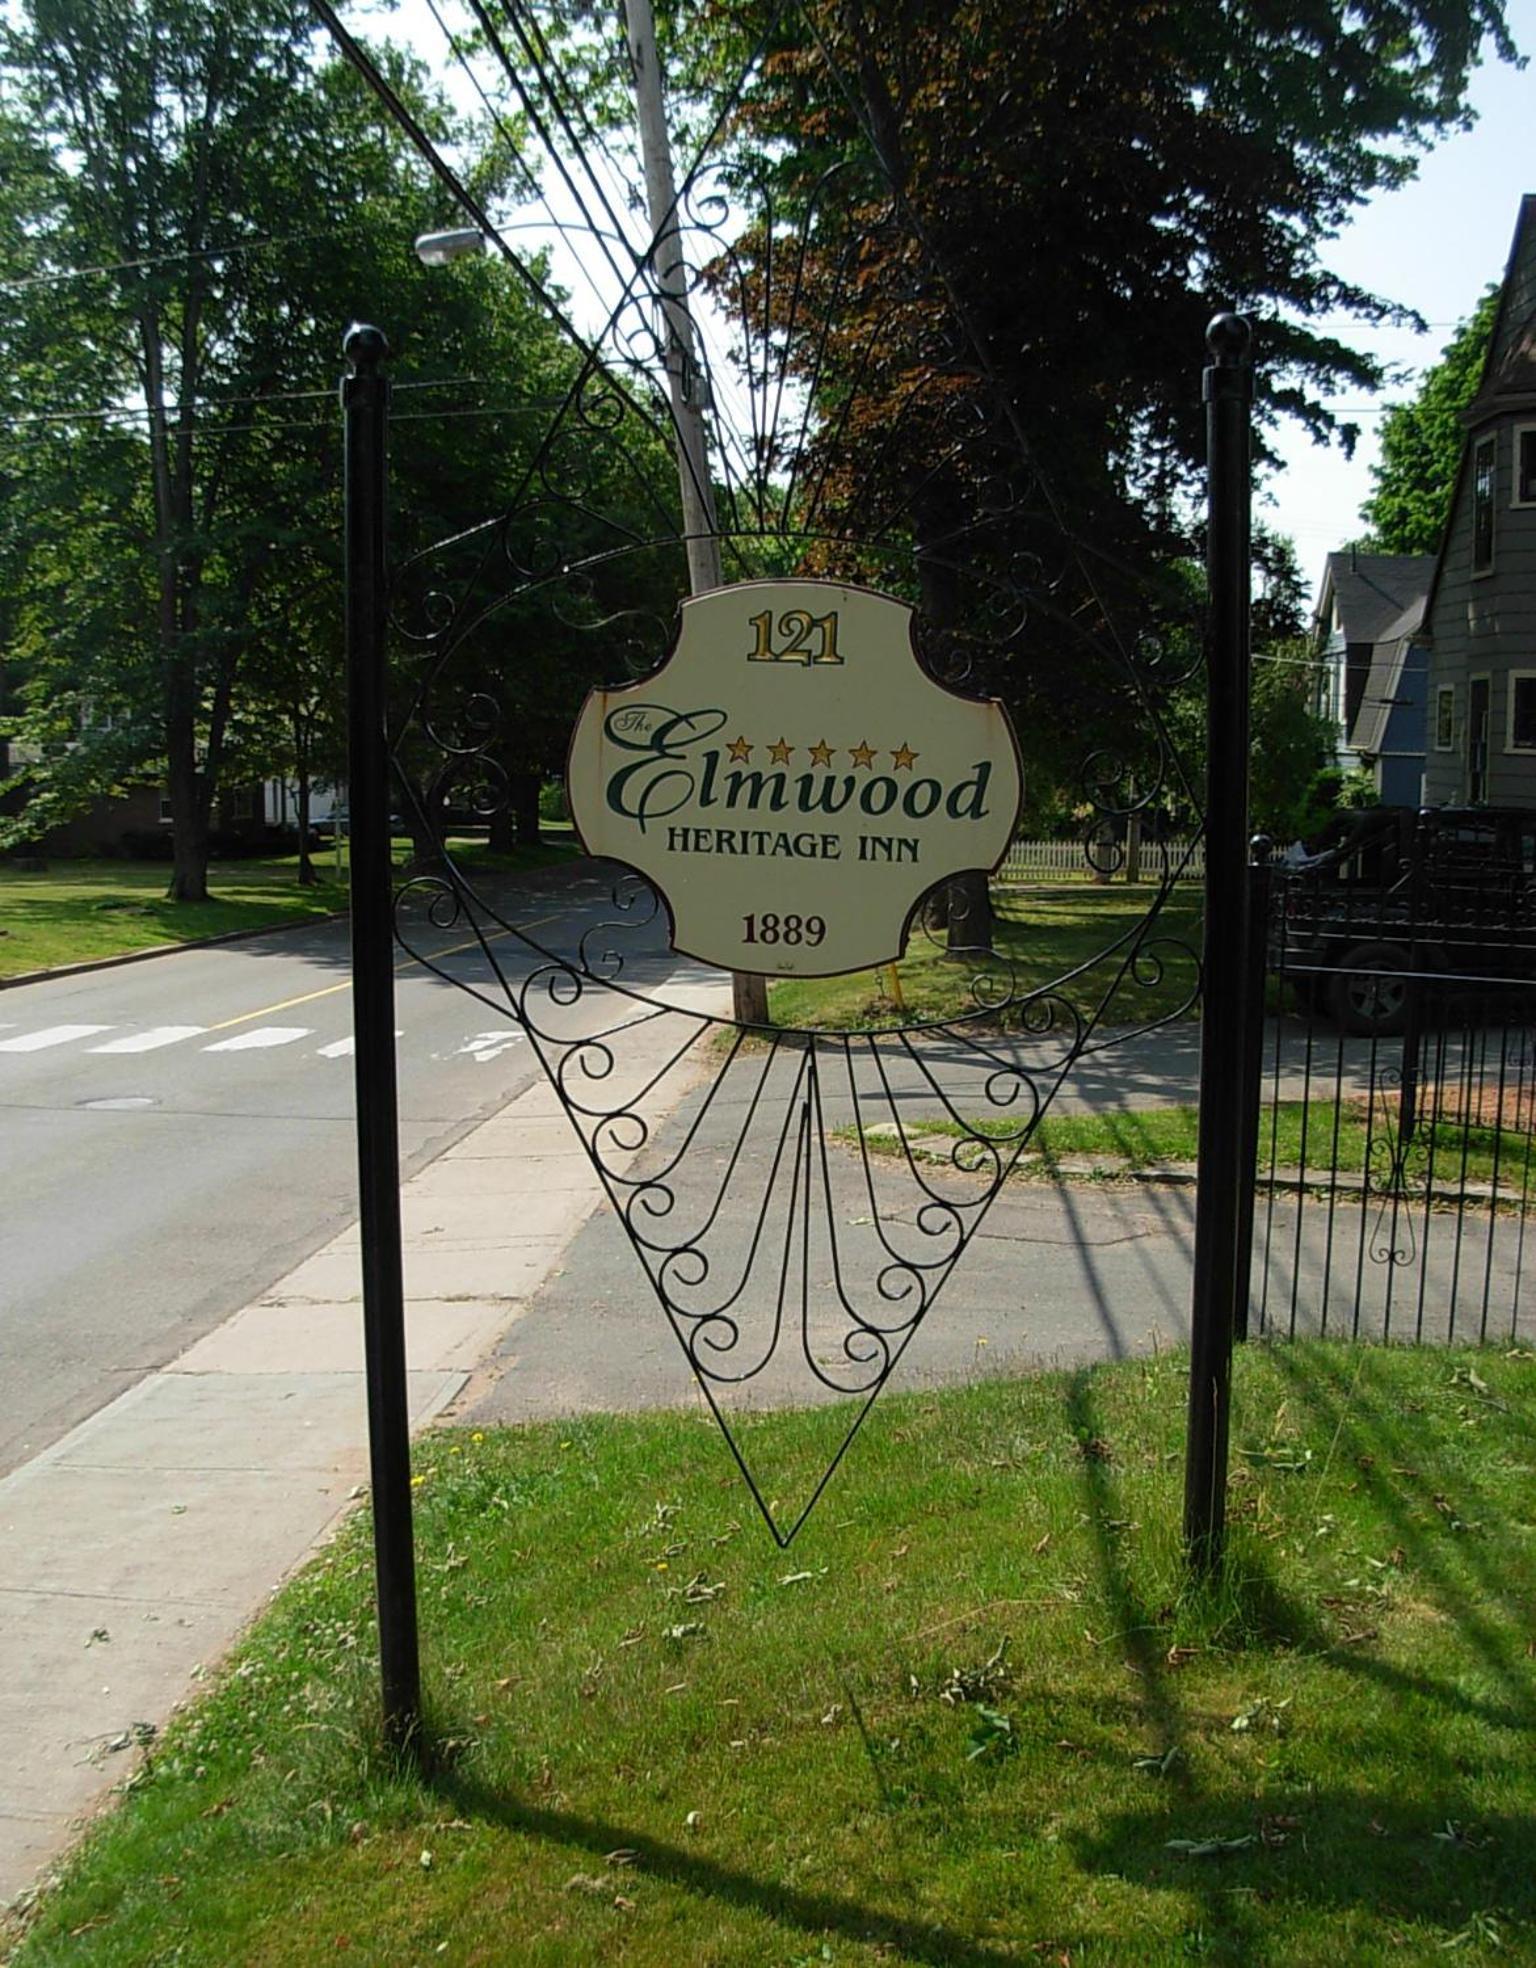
580 862
169 949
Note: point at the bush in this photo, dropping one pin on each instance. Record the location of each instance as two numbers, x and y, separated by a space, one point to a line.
552 801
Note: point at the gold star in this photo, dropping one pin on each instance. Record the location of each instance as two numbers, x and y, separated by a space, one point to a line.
739 750
780 753
862 754
904 755
821 754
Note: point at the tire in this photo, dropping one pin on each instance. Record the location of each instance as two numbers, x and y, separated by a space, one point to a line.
1370 1007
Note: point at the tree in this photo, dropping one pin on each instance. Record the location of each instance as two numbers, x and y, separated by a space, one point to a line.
240 201
1421 443
160 119
1042 206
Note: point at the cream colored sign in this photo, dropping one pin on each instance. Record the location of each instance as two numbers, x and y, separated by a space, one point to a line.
790 779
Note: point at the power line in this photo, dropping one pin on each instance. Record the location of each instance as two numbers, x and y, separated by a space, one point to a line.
155 260
593 364
112 411
202 433
539 197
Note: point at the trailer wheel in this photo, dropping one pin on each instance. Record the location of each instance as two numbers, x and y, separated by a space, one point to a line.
1367 1004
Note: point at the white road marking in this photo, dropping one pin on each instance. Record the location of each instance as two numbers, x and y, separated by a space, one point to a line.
51 1035
485 1046
151 1039
263 1037
342 1048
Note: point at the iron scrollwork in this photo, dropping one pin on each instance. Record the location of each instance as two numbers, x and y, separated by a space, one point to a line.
790 1212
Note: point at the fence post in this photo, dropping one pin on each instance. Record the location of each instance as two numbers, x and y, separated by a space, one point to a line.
1260 882
365 404
1413 1026
1228 390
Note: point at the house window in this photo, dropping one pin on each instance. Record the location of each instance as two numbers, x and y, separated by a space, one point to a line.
1525 465
165 809
242 805
1522 711
1445 718
1482 505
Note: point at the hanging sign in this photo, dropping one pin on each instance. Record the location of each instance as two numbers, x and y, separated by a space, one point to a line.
791 781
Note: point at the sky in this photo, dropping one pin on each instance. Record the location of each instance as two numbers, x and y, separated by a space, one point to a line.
1433 245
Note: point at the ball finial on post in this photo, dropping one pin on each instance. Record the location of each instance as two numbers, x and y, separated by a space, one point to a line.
1229 337
365 346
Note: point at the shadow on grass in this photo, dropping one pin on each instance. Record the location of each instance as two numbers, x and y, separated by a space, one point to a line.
1248 1606
1488 1609
1435 1859
817 1914
1435 1862
1135 1623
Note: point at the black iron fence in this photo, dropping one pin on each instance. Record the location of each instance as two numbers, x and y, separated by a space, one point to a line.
1397 1147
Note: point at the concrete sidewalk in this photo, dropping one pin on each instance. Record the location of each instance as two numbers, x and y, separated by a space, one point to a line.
138 1546
1056 1274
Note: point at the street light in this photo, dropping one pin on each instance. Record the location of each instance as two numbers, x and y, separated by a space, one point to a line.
443 248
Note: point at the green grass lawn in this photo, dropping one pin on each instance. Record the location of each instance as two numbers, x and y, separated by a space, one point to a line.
973 1716
1318 1134
1043 934
79 910
84 909
558 843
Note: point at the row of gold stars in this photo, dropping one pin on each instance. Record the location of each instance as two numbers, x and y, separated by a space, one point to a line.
822 753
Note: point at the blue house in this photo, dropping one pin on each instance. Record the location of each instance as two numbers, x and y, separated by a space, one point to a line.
1368 629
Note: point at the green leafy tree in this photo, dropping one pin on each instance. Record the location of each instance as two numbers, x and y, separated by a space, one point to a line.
1290 741
1076 190
164 123
241 201
1421 443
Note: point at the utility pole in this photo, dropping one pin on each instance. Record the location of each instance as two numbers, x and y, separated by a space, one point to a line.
685 374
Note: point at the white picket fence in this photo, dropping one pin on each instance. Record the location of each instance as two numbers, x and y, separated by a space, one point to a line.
1067 860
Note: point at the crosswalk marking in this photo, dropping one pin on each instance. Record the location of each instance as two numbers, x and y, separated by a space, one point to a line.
263 1037
344 1048
151 1039
483 1047
51 1035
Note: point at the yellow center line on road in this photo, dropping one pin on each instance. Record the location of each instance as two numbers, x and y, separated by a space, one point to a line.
330 990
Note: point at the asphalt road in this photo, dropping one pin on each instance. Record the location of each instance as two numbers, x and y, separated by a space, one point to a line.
178 1134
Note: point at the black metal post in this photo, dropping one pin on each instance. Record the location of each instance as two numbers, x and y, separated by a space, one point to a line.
1413 1025
365 403
1256 973
1222 1177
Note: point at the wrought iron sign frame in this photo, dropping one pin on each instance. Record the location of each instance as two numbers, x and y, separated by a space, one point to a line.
812 1100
